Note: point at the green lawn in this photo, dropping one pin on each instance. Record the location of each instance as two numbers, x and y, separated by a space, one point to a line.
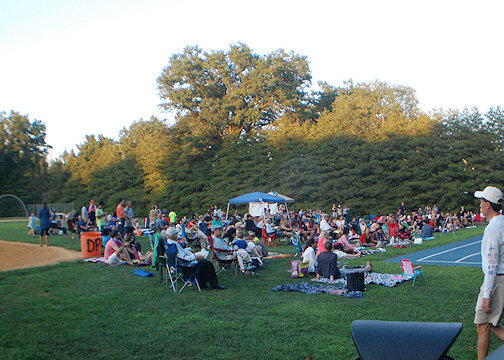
80 310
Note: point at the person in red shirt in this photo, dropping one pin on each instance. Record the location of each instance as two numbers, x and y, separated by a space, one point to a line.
366 238
121 214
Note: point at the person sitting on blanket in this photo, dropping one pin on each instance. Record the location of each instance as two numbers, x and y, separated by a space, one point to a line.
427 229
362 226
105 236
115 250
206 271
340 223
322 239
366 238
327 265
144 258
224 251
338 250
374 226
343 240
379 237
309 255
131 249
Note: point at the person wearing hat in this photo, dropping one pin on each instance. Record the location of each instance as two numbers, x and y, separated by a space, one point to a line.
226 252
206 274
490 302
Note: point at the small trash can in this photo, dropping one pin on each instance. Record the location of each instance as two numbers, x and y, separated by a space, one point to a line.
91 242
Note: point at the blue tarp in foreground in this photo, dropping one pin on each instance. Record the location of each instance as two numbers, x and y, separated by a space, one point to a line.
256 197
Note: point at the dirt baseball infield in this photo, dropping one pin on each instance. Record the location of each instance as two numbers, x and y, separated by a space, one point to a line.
15 255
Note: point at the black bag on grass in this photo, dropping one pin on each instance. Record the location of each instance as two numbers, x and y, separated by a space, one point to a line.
355 281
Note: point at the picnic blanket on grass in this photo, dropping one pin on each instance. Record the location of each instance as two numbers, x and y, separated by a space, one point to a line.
313 289
368 251
388 280
273 255
101 259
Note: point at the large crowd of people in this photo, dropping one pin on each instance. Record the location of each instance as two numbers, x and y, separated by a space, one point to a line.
244 238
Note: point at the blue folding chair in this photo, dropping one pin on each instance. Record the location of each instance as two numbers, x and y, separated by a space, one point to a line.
189 275
172 270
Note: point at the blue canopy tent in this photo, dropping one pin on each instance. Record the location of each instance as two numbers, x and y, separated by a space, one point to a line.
255 197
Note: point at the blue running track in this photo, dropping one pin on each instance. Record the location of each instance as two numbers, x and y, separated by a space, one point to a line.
462 253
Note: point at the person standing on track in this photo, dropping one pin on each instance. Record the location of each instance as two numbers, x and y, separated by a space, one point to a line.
490 302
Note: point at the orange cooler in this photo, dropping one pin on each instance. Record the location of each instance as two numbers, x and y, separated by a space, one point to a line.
91 242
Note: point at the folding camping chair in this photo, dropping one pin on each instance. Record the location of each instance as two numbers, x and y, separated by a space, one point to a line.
223 264
172 270
178 270
269 239
409 271
296 242
189 275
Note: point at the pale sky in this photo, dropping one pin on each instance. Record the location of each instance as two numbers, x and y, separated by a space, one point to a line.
90 66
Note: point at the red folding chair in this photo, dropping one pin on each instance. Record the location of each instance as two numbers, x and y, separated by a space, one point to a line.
269 239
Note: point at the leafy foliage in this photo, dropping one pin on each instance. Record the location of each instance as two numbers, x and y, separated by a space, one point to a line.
247 122
219 94
22 156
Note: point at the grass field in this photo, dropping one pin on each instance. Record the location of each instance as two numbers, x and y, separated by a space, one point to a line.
79 310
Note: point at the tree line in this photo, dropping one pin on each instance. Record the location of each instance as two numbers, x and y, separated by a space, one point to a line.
246 122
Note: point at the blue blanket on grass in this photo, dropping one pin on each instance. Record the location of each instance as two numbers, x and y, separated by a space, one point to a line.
313 289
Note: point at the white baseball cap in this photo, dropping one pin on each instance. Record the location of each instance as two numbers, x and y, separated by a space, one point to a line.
490 193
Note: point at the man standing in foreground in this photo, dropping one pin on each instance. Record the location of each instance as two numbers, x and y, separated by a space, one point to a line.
490 302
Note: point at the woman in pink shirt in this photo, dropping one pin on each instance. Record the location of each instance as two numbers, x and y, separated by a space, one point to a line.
115 250
343 240
321 242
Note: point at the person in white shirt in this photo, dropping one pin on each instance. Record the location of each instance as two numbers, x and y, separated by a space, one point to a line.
490 302
309 255
269 228
324 223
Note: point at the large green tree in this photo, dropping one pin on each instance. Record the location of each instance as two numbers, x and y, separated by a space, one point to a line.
23 151
231 93
374 111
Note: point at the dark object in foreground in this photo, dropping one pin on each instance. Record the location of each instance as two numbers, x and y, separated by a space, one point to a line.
398 340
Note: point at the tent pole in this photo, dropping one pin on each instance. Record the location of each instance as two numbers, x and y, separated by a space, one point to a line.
287 209
227 212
